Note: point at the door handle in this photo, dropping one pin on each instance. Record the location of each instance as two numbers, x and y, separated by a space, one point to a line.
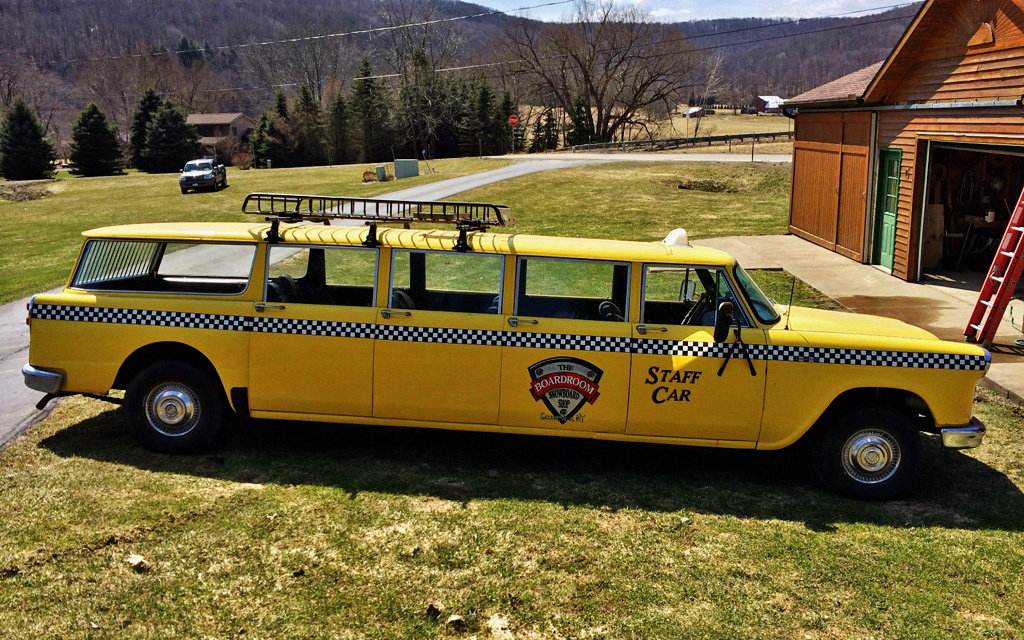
515 322
642 329
387 313
262 306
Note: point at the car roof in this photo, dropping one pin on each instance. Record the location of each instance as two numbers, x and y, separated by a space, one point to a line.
428 239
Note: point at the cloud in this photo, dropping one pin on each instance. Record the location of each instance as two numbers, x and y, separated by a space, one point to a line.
665 14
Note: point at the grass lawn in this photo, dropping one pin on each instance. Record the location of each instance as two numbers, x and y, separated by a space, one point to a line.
309 531
297 530
640 201
724 123
40 238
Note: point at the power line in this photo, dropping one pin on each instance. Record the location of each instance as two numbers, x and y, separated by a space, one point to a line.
325 36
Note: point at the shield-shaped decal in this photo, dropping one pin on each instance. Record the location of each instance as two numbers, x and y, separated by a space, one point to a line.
564 384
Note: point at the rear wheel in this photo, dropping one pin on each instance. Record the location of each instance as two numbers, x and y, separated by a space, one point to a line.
871 453
174 407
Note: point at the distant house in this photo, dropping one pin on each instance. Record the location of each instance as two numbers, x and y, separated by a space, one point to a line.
768 104
695 112
916 161
214 128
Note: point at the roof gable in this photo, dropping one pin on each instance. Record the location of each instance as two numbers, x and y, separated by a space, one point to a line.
955 50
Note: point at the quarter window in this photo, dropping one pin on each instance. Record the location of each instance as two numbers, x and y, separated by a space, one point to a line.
574 289
678 295
322 275
164 267
446 281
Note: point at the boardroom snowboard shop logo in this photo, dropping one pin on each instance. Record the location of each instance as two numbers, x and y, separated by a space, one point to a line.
564 385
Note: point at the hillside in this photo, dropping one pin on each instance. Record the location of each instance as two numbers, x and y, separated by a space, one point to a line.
62 54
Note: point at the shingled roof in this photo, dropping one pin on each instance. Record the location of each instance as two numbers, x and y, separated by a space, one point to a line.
842 91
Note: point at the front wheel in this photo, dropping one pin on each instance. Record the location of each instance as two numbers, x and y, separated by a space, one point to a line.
174 407
871 453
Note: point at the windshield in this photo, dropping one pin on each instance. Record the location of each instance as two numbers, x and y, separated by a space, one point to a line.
198 166
759 302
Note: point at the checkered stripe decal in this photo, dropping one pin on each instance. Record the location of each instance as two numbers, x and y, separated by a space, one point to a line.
437 334
864 357
566 342
314 327
142 316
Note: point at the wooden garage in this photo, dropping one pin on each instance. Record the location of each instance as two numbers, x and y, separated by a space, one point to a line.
916 162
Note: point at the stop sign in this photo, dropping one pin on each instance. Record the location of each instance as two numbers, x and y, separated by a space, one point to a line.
513 120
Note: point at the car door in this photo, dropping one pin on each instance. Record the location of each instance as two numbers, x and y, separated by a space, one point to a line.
566 359
311 350
438 353
683 383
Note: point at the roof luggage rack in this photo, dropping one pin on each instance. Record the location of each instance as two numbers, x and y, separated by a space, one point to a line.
291 207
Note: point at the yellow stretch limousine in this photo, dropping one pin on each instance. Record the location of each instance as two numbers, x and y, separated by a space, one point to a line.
296 318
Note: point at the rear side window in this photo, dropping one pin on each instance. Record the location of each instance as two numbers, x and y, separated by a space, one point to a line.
343 276
446 281
164 267
575 289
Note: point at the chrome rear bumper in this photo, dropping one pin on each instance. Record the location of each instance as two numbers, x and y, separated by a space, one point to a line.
966 437
45 381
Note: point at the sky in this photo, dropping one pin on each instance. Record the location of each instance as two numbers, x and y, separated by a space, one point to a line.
685 10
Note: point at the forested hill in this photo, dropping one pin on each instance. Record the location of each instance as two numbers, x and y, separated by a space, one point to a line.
784 58
759 56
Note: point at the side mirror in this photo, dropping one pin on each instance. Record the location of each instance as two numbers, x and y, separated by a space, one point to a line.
723 320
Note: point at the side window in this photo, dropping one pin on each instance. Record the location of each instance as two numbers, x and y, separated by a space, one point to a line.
575 289
164 267
322 275
684 295
446 281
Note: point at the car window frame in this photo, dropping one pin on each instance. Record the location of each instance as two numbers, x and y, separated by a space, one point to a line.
740 313
629 284
155 264
501 277
326 247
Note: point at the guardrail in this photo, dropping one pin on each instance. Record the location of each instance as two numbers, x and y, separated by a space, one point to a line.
676 143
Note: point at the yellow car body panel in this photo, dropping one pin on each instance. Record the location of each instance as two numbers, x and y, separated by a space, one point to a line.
500 371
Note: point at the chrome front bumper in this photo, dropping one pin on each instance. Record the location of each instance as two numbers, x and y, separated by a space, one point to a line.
966 437
45 381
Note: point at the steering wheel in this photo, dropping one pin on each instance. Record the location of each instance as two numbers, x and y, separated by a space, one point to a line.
697 310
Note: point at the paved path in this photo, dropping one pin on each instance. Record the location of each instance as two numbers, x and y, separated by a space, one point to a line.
17 402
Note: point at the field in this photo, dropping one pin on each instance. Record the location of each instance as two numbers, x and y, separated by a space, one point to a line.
327 531
41 237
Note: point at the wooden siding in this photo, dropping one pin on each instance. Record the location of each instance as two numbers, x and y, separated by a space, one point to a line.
945 67
908 130
828 204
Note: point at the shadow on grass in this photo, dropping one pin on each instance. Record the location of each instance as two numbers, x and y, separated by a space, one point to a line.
955 490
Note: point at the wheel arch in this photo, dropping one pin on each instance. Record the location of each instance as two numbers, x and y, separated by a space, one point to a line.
910 404
150 353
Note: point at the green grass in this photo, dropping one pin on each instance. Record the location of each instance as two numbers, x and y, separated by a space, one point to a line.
40 239
642 201
331 531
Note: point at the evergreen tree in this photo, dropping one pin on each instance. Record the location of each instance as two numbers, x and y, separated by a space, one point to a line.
25 153
537 136
309 130
148 105
189 52
581 123
95 147
370 106
337 131
281 105
170 141
508 138
260 142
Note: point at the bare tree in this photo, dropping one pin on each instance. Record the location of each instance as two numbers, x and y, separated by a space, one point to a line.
311 59
713 84
611 55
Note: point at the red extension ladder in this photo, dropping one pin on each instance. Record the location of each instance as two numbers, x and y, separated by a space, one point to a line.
1000 282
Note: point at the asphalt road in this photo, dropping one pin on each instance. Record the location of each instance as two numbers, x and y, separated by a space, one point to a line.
17 402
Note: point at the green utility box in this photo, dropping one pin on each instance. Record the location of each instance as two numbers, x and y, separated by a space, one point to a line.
407 168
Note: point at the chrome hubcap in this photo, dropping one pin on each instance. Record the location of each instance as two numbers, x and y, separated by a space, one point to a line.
172 409
871 456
